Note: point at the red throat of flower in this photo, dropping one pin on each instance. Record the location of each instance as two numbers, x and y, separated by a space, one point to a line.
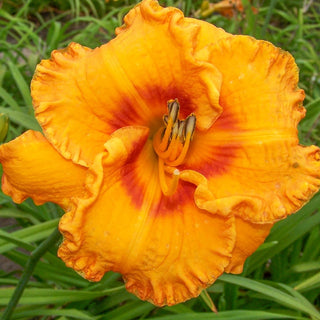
171 143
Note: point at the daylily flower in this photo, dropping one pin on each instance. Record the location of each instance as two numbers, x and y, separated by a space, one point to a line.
227 8
173 149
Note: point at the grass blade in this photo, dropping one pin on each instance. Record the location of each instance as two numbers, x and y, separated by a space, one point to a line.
273 294
309 284
70 313
21 83
232 315
35 296
22 118
34 233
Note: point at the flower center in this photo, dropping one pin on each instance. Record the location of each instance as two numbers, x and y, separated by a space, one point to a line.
171 143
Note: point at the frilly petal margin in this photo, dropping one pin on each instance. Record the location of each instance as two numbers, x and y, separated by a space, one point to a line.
33 168
164 257
255 138
208 35
122 145
127 81
249 237
258 66
65 107
171 41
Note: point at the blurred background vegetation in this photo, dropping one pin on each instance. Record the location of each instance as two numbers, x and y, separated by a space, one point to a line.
280 281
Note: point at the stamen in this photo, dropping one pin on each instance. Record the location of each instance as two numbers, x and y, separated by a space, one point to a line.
173 139
171 143
190 126
181 133
171 189
173 107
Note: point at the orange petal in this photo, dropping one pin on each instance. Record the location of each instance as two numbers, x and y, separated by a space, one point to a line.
165 247
252 151
249 237
167 42
227 8
82 95
33 168
65 104
208 35
259 93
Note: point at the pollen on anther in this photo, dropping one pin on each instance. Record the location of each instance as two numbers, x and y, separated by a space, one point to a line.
171 143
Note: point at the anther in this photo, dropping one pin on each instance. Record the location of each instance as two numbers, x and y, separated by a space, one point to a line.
171 143
190 125
181 132
165 119
175 130
173 107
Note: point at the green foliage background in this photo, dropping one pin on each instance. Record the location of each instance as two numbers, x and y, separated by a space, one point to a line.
280 281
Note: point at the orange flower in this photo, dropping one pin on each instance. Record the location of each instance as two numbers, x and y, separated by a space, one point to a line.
173 149
227 8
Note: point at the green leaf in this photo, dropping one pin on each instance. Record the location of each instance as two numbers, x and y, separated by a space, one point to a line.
231 315
286 232
204 295
54 35
21 83
35 296
48 271
70 313
310 283
267 245
34 233
8 99
296 301
22 118
306 266
16 213
128 311
179 308
16 241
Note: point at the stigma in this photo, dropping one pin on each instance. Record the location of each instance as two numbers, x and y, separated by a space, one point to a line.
171 143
